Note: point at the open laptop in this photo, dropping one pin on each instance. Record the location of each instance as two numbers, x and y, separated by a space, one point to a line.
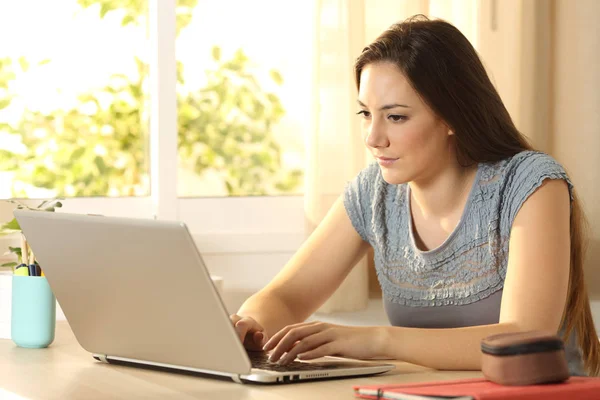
137 292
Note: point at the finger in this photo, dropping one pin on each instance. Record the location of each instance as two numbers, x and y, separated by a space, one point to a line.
309 343
254 341
328 349
292 336
234 319
245 326
242 328
279 335
259 338
272 342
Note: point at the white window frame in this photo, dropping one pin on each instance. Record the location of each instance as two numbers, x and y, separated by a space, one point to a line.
241 224
220 225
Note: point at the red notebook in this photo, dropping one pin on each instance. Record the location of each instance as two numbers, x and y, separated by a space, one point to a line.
576 388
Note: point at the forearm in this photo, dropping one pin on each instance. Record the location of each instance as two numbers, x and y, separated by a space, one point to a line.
269 310
444 349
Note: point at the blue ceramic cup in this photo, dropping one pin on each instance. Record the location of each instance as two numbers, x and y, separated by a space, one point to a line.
33 316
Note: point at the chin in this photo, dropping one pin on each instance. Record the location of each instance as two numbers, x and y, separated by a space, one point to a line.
394 177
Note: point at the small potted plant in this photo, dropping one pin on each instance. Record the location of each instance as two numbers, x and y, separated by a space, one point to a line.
23 254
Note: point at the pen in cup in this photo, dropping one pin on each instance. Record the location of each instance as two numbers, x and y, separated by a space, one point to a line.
22 270
24 250
28 261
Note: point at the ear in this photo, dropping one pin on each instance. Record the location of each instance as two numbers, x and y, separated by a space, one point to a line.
449 130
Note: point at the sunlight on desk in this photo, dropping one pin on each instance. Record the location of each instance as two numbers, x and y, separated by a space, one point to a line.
66 371
6 395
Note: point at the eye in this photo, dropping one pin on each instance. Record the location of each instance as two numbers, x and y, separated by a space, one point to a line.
397 118
364 113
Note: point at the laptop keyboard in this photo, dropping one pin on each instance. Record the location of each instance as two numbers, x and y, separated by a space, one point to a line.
260 360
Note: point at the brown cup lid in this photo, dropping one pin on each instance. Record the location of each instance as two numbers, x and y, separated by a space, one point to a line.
513 343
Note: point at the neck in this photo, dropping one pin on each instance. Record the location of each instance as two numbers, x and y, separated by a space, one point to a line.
445 190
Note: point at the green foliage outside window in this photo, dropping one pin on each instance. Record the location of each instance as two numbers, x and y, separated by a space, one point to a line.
100 144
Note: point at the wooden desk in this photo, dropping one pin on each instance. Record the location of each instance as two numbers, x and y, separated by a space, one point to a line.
66 371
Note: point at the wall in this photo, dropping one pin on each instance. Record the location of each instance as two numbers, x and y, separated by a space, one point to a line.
544 57
576 112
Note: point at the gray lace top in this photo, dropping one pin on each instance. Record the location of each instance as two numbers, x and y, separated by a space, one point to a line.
460 282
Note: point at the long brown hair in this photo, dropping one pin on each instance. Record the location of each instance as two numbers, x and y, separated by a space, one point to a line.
444 68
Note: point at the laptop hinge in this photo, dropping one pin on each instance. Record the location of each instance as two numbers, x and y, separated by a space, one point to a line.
236 378
103 358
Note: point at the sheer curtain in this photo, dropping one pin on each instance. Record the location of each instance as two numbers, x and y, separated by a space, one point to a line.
335 148
574 113
544 57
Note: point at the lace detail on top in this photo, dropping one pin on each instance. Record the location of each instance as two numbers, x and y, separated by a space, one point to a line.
471 264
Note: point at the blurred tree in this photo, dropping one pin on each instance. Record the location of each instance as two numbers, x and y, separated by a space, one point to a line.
135 11
98 148
87 150
227 126
8 161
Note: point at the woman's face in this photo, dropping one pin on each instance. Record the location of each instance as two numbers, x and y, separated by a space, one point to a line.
408 140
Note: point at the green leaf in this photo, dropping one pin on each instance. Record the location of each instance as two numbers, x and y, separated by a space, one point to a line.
24 64
216 53
105 8
276 76
76 155
10 264
229 186
128 19
43 203
15 250
44 61
100 164
11 225
5 103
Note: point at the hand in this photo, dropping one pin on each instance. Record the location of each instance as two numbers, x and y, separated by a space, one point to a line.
250 332
310 340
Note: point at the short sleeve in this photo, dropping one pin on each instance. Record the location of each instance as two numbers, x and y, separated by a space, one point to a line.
358 196
524 174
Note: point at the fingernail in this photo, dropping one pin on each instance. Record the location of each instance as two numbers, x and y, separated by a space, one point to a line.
284 360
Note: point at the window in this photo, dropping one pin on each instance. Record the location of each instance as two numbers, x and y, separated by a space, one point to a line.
244 96
82 86
73 91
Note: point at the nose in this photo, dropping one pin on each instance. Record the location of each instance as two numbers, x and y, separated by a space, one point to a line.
376 136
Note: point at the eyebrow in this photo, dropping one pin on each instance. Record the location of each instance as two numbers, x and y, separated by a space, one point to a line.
386 107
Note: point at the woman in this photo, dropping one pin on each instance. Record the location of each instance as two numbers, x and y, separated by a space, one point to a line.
474 233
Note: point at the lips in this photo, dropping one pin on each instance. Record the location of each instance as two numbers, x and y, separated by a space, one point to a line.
385 158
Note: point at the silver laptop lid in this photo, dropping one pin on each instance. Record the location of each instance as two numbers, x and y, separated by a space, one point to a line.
135 289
